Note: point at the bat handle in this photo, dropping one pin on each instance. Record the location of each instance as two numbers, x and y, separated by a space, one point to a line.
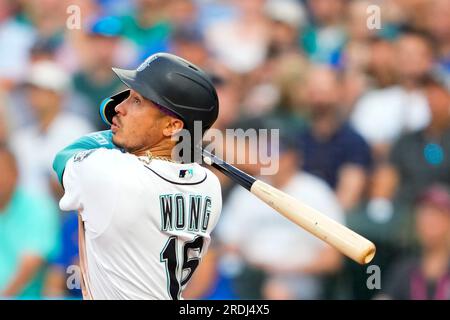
239 176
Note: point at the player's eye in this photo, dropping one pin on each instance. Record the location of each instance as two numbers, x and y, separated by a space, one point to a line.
136 101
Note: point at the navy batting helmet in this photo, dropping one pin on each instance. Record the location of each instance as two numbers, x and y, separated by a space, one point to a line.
172 83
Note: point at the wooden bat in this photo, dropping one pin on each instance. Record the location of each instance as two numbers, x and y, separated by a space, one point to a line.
335 234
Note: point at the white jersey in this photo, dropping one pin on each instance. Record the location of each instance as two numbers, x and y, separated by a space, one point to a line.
147 224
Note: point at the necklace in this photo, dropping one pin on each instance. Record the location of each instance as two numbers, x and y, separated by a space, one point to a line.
151 157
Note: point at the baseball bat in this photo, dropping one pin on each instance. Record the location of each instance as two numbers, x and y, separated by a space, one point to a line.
335 234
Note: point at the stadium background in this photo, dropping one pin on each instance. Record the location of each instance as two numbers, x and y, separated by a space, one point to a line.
363 115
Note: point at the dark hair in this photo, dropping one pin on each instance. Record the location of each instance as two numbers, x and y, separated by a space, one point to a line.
167 111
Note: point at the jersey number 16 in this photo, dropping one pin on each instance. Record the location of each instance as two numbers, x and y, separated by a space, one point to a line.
169 257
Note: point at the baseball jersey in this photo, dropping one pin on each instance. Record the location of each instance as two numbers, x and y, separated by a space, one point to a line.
147 224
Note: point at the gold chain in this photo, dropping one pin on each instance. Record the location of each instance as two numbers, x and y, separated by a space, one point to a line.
151 157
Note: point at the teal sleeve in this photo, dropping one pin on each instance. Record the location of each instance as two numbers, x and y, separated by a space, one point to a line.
100 139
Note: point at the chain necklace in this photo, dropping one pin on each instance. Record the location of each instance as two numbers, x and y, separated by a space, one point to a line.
151 157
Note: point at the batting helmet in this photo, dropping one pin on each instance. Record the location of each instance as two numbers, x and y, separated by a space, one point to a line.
172 83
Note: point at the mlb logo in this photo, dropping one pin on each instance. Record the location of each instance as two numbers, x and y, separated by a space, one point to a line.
186 174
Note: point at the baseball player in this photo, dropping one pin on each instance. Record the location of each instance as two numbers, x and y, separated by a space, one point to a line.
145 220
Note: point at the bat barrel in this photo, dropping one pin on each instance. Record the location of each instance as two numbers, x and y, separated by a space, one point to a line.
332 232
335 234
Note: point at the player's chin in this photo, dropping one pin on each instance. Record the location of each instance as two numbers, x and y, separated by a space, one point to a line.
117 139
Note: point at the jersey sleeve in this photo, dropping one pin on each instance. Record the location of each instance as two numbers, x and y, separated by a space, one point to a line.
91 183
100 139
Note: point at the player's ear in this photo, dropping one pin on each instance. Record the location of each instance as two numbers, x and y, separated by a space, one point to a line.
173 126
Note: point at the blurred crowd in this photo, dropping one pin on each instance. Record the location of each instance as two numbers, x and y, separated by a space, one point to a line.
363 114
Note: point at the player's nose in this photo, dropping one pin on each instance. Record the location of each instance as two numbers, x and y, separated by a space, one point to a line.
121 107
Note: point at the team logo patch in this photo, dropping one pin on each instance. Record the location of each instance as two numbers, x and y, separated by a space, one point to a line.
186 174
80 156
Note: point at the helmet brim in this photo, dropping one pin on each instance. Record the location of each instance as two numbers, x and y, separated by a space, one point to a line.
129 78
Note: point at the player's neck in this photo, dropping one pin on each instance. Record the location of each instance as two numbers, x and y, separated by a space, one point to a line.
154 153
162 150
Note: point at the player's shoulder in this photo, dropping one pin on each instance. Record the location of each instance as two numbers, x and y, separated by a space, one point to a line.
100 169
104 160
181 174
211 178
102 154
211 175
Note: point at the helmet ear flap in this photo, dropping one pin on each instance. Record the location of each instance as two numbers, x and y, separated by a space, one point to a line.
108 105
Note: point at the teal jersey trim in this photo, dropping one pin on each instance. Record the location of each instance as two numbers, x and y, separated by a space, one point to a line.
96 140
